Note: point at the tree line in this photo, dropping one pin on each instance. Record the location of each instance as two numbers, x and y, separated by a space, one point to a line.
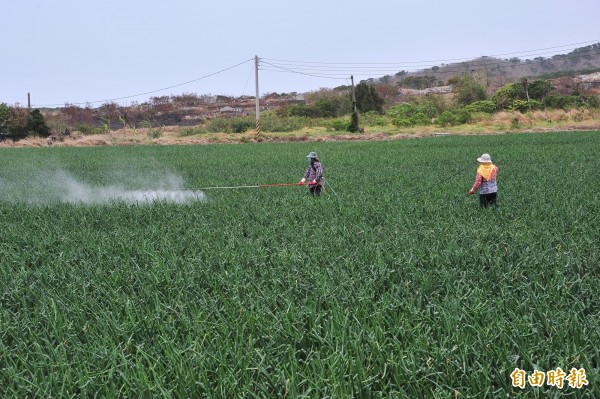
470 95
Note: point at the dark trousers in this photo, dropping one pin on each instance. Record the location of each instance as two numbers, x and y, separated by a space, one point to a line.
486 200
315 190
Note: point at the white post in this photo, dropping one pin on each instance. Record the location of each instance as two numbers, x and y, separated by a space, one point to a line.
257 97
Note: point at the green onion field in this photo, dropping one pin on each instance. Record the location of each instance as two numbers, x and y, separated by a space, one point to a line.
392 284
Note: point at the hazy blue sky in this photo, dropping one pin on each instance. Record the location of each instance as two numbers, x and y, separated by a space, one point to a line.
78 51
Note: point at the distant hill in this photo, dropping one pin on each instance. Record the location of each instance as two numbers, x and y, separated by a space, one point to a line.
497 71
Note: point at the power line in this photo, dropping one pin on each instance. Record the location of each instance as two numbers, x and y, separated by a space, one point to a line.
393 67
325 70
341 70
280 68
433 61
152 91
493 64
354 67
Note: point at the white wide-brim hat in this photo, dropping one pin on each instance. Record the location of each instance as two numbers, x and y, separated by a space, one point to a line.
484 158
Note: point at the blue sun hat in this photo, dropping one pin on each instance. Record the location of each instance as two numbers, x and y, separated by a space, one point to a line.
312 155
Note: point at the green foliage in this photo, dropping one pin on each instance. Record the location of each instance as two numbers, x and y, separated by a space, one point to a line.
329 108
485 106
418 82
36 124
454 117
353 126
447 118
192 131
569 73
515 123
467 90
323 108
337 124
87 129
559 101
525 106
373 118
231 125
504 96
539 89
573 101
412 114
302 110
435 104
4 117
155 133
367 98
592 101
270 122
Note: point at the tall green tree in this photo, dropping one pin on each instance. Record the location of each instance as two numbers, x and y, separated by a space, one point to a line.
507 94
329 108
36 124
367 98
467 89
540 89
4 117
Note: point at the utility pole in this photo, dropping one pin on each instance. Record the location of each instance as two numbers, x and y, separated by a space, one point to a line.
353 94
354 122
29 101
257 134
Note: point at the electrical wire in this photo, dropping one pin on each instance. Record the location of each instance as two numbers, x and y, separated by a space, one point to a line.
332 70
152 91
341 70
479 64
434 61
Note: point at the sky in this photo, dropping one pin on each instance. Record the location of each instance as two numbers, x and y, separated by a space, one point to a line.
93 52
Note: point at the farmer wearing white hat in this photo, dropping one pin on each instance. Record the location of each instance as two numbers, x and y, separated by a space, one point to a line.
314 174
485 181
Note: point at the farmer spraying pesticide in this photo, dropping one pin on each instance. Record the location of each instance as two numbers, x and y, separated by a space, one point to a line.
485 181
314 175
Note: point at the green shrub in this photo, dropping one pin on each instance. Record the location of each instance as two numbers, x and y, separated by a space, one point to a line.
467 89
572 101
231 125
372 118
353 125
155 133
273 123
420 119
191 131
241 125
4 117
515 123
447 118
539 89
525 106
504 96
454 117
403 122
412 114
302 110
338 124
486 106
87 129
36 124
